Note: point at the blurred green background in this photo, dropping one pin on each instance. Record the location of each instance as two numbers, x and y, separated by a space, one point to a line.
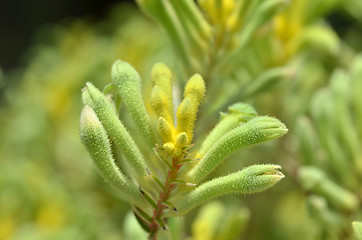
49 188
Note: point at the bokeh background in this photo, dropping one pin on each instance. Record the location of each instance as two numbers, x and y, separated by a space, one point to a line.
49 188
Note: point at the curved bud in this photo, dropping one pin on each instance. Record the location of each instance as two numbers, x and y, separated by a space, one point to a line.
95 139
103 108
257 130
128 83
252 179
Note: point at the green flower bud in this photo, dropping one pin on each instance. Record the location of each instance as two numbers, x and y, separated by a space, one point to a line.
238 113
95 138
128 83
103 108
252 179
257 130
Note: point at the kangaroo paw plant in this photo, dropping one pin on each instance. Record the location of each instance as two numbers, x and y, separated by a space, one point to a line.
157 169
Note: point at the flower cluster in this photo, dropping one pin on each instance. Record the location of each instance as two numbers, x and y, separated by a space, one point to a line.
161 174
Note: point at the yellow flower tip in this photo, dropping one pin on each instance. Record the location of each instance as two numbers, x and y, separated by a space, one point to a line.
160 103
161 77
210 9
232 23
169 147
166 130
195 89
160 71
184 113
181 140
227 7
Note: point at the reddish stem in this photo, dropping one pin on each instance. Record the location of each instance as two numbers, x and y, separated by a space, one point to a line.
163 197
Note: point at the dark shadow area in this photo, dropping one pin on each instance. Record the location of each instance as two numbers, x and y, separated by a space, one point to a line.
19 19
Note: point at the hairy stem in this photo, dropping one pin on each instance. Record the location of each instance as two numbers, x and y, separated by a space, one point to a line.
157 220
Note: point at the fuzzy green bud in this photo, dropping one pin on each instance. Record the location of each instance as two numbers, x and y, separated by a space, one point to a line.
252 179
95 139
128 82
257 130
238 113
115 129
